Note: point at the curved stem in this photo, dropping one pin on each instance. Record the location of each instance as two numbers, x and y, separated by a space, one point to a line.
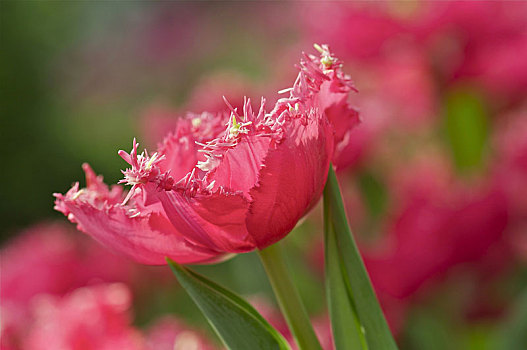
288 298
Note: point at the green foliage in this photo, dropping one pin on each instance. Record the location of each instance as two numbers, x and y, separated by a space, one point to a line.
347 331
348 283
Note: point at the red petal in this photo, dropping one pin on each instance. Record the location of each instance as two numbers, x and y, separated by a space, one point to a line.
239 168
342 116
146 239
216 221
180 155
291 181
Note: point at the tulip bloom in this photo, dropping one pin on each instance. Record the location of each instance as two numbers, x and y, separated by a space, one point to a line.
213 188
65 261
95 317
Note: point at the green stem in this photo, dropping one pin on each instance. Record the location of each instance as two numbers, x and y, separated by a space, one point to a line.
288 298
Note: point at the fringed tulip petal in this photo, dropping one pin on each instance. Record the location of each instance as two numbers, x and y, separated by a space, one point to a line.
146 237
291 180
137 237
216 220
238 171
180 148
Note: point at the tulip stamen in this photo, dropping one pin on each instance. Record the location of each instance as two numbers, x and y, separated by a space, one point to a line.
196 122
209 164
286 90
129 195
135 215
326 58
77 194
143 168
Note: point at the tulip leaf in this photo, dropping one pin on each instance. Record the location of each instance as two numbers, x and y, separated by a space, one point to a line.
233 319
347 331
351 298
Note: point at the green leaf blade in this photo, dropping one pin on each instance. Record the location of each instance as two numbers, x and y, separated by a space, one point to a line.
347 331
235 321
343 252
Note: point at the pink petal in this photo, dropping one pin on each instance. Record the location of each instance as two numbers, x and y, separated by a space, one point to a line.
95 183
179 147
146 239
216 220
291 181
342 116
239 167
180 155
138 231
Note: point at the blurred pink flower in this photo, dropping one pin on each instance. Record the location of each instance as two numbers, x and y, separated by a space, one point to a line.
51 249
471 22
158 120
89 318
479 42
398 96
169 333
439 223
503 68
64 261
484 42
53 259
498 61
510 175
208 92
167 35
50 277
210 191
406 85
356 30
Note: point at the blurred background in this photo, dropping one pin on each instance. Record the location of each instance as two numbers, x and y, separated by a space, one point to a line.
435 183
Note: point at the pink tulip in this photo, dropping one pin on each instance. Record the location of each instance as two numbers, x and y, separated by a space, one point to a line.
439 222
510 175
65 261
481 43
89 318
209 190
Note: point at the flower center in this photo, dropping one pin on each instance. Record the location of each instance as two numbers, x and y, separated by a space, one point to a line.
327 60
237 128
143 167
